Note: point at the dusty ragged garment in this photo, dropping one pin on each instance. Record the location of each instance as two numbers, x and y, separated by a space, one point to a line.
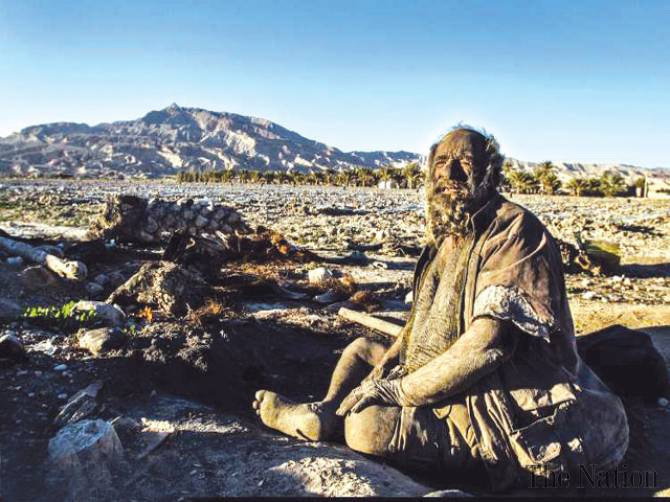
438 304
542 410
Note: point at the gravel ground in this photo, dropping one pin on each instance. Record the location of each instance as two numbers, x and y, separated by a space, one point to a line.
211 451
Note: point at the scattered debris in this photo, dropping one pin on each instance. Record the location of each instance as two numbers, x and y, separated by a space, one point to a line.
69 269
319 275
101 340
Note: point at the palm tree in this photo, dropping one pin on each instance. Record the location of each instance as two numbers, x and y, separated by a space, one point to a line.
546 176
521 181
343 178
312 178
283 177
244 176
550 184
269 177
297 178
412 174
544 168
612 184
255 176
577 186
363 177
385 174
329 177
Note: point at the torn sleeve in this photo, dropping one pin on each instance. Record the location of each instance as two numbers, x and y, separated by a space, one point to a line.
520 279
510 304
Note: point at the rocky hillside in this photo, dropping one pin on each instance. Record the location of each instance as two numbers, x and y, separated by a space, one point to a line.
175 138
166 141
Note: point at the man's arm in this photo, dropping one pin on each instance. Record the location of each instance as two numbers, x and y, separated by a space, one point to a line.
479 351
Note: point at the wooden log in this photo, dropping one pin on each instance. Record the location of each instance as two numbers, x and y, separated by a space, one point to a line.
65 268
386 327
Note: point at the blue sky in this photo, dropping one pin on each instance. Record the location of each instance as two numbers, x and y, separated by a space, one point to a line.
576 80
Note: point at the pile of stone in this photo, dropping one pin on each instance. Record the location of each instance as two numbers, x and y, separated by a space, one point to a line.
134 219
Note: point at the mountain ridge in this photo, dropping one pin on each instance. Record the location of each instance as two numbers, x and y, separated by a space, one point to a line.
164 142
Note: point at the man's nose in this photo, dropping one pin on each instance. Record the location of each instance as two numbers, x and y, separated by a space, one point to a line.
453 171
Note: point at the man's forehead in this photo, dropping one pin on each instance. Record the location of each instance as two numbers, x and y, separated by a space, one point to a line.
461 143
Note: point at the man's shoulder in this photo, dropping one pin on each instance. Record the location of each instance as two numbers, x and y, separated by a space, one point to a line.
513 218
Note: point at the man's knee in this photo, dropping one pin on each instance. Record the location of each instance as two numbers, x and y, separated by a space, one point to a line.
371 430
366 350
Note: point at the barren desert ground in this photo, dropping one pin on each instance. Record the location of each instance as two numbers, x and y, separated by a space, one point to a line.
179 401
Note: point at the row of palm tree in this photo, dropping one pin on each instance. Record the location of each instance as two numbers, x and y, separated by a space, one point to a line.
409 176
543 180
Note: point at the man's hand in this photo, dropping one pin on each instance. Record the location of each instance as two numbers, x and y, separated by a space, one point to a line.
371 392
387 369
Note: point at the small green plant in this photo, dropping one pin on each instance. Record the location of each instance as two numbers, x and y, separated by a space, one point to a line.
130 329
64 318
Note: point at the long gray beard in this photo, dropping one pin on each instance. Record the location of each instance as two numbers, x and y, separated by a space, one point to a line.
449 213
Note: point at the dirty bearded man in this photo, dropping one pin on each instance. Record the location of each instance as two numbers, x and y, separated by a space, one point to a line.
485 376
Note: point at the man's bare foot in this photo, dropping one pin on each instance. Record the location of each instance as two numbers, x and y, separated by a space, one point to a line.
309 421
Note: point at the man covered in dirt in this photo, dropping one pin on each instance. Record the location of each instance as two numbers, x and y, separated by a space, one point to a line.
485 372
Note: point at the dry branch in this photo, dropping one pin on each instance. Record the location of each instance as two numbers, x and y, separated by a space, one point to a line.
65 268
386 327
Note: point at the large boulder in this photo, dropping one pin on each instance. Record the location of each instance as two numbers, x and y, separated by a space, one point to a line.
82 457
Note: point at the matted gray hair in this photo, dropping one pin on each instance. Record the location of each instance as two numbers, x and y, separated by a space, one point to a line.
494 159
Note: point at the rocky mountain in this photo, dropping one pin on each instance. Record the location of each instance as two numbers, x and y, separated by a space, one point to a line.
166 141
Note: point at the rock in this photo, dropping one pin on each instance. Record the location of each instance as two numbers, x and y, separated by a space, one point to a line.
98 341
171 287
14 261
663 402
83 455
589 295
12 349
220 214
38 276
94 289
319 275
448 493
409 297
60 367
330 296
9 310
80 406
110 314
150 225
200 221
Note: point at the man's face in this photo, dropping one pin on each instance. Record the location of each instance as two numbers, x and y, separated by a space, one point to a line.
455 161
455 176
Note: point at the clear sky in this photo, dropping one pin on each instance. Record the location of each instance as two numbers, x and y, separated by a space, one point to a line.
577 80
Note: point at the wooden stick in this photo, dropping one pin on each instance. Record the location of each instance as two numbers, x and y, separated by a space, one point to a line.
386 327
70 269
